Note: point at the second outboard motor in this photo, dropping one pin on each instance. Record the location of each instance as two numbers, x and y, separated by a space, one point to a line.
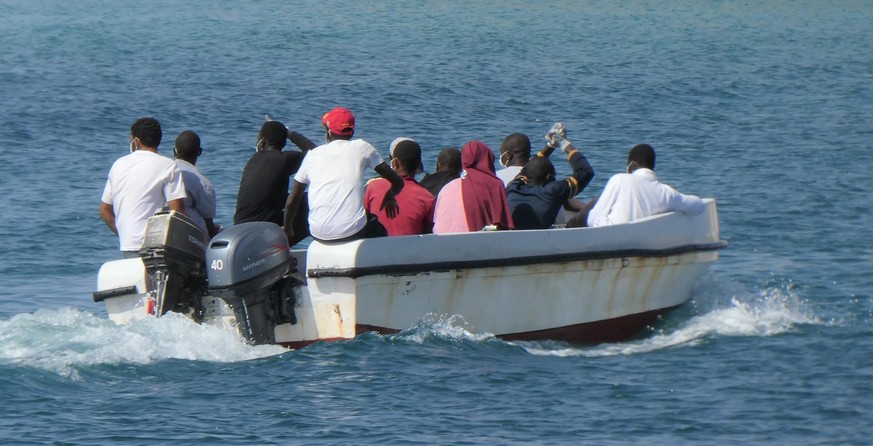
173 253
250 268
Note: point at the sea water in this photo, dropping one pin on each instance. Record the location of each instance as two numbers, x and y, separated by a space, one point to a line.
764 106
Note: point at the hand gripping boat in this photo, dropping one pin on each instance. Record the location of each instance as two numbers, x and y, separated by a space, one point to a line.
581 285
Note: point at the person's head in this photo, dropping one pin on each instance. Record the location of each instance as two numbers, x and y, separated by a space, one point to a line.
478 156
145 133
187 147
515 150
339 123
539 170
273 135
641 156
449 159
406 157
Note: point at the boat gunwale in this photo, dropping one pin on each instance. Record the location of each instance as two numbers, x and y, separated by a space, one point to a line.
407 269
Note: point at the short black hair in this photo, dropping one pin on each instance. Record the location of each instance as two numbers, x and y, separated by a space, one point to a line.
517 144
148 130
643 155
408 154
450 159
274 134
187 146
538 170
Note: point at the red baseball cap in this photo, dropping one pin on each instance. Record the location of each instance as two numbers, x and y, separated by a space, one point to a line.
340 121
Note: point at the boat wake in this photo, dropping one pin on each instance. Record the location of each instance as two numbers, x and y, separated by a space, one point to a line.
63 339
442 327
771 312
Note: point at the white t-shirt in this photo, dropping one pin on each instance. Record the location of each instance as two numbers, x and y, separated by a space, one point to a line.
628 197
334 173
139 185
508 174
200 202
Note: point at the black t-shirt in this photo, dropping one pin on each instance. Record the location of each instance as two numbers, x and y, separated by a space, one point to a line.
433 182
263 188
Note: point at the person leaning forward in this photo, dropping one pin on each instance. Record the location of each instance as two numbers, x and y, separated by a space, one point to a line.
334 173
415 201
140 184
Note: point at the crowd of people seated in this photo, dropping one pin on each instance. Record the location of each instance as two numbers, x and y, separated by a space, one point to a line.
329 201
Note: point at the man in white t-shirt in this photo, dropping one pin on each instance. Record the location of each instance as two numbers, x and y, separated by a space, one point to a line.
139 185
334 174
628 197
200 202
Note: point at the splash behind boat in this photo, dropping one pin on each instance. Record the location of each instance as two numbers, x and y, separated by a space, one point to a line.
578 285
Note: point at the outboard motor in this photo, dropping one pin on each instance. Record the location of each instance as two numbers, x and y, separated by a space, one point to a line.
250 268
173 253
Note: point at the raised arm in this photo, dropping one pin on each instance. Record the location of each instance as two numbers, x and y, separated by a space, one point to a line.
389 203
302 142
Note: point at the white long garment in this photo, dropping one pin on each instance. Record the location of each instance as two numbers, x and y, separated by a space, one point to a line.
508 174
628 197
334 173
200 202
139 185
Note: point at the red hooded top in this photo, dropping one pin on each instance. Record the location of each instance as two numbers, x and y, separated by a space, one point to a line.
484 194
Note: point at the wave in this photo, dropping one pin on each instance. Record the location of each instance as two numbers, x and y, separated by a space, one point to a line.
770 312
64 339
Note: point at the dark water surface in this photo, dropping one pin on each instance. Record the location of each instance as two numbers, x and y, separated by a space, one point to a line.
765 106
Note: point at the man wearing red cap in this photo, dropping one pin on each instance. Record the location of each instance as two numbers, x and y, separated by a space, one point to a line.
334 174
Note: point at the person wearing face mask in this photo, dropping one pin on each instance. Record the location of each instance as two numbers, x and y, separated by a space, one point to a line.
200 202
263 188
637 194
333 173
140 184
536 197
415 201
514 154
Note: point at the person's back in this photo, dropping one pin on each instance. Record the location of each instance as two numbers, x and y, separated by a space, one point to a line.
535 197
333 173
263 188
448 168
631 196
416 202
479 197
140 184
200 203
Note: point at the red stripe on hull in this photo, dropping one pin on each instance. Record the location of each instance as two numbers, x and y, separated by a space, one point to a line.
608 330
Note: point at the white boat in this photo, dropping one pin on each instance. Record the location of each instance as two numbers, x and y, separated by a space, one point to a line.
583 285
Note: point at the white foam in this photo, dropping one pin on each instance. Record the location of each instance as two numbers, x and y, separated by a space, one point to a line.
771 313
453 327
60 340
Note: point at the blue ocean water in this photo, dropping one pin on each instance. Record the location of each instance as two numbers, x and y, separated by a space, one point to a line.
765 106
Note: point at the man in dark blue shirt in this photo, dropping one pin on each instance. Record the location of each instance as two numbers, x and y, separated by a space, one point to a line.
535 196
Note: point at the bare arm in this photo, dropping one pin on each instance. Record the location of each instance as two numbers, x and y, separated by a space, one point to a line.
176 205
107 213
291 207
389 203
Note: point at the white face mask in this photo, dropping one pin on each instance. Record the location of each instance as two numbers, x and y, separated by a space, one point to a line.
500 160
132 147
629 167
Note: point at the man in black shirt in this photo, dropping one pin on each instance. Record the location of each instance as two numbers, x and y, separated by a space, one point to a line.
448 168
263 188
